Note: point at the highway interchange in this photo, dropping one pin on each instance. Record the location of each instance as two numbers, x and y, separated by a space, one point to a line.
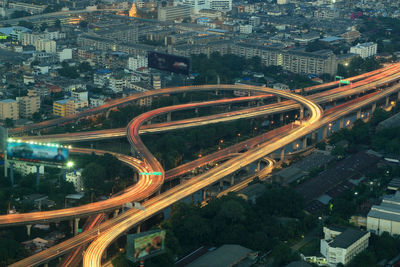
374 87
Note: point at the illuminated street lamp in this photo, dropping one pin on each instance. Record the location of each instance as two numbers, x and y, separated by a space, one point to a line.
70 164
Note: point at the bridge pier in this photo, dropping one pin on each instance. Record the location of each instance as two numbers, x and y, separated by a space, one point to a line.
116 213
28 229
281 117
136 177
304 145
37 177
387 101
221 185
46 265
279 99
138 229
295 145
196 110
258 165
149 122
373 107
282 153
71 226
301 112
204 194
314 137
168 116
398 95
232 180
325 132
76 226
358 114
341 121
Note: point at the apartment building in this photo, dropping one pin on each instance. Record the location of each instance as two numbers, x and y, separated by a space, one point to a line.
9 109
365 49
137 62
28 104
170 13
48 46
295 61
67 107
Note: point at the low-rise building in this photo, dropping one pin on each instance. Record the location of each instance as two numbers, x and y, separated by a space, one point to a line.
170 13
386 216
340 245
101 77
48 46
69 106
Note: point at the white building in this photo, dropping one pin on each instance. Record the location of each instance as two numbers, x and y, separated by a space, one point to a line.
75 178
101 77
342 245
26 169
246 29
65 54
137 62
386 216
223 5
117 83
365 49
196 5
49 46
282 2
96 101
80 95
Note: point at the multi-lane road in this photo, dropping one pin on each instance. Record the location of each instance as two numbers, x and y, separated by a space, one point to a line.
122 223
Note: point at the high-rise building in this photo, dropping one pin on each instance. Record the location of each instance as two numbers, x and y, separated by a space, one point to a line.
28 104
196 4
9 109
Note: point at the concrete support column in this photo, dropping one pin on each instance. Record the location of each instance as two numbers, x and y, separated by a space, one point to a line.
341 121
12 174
295 145
71 226
46 265
204 194
359 114
304 142
258 165
136 177
149 122
104 254
398 95
282 153
314 137
373 107
301 112
28 229
232 180
334 103
387 101
279 99
138 229
168 116
116 213
325 132
76 226
221 184
281 117
196 110
216 92
37 177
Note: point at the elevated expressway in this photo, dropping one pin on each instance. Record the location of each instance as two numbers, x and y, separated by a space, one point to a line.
378 74
225 168
372 81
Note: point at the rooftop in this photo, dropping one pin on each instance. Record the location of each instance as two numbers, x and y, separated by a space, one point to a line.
226 255
347 238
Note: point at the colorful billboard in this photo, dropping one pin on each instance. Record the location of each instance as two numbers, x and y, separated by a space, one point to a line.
145 245
171 63
37 153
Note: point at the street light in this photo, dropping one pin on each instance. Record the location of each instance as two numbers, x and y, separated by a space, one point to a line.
70 164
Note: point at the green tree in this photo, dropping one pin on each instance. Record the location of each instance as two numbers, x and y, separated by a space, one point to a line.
36 117
9 123
93 177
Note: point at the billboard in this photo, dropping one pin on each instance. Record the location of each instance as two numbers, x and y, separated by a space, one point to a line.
37 153
176 64
145 245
